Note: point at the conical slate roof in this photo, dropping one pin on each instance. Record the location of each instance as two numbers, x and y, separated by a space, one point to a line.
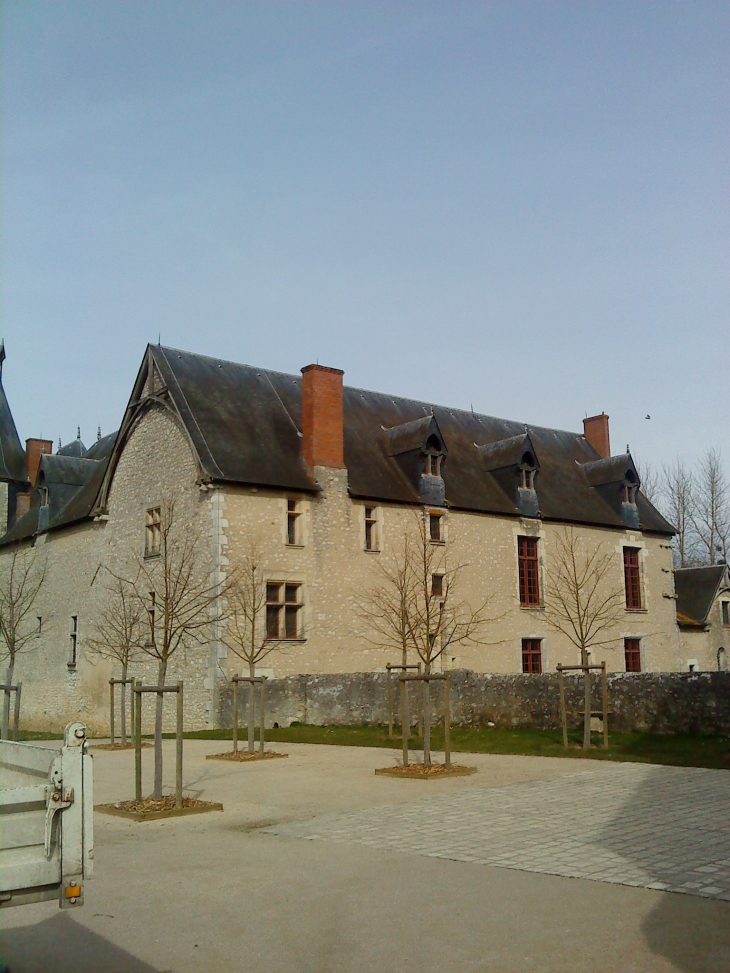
12 454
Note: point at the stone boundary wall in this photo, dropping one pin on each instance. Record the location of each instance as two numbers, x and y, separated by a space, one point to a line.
692 702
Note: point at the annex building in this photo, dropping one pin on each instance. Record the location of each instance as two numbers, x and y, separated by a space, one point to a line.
327 477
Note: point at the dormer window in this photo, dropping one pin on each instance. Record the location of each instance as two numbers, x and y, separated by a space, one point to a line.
527 470
629 488
433 457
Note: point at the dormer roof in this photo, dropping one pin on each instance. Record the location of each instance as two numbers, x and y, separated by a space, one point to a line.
601 472
507 452
412 435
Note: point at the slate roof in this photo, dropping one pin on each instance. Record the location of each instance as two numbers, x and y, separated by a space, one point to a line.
245 423
245 426
74 448
696 590
73 486
12 454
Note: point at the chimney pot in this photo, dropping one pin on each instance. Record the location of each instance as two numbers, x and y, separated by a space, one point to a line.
322 424
595 429
34 449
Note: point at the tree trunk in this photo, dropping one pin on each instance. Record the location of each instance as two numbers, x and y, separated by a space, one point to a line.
427 720
124 704
251 710
6 703
161 674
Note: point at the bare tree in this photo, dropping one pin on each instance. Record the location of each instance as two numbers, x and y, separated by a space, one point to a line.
119 632
22 574
583 600
415 606
247 634
650 481
385 606
181 601
678 501
710 512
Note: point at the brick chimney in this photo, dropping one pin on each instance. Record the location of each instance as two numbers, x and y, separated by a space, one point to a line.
595 430
322 435
34 449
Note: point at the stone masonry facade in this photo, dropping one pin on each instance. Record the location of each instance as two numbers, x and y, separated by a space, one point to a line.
330 563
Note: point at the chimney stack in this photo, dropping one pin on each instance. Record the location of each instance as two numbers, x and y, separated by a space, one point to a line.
595 430
323 443
34 449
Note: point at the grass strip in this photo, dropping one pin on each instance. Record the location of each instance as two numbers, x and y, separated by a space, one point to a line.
674 749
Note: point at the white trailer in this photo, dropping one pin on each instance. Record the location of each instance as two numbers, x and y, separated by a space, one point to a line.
46 821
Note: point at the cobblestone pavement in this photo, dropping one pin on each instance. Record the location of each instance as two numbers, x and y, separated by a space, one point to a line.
662 828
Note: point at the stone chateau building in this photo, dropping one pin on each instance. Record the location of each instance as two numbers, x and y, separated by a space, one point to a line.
327 478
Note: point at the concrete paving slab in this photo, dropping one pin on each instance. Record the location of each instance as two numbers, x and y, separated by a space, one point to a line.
217 893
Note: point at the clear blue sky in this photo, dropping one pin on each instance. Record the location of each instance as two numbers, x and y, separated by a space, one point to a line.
517 205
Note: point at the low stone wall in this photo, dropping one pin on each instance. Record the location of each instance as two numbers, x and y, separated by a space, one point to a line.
693 702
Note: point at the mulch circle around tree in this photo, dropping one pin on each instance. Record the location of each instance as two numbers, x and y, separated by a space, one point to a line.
151 809
419 772
243 756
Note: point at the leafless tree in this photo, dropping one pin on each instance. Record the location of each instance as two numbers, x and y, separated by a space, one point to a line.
415 606
22 574
385 606
119 632
181 599
710 512
247 634
677 503
650 480
583 598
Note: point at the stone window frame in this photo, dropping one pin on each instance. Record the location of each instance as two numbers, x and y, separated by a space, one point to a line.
524 589
641 606
373 535
294 522
643 641
74 639
638 652
440 517
153 531
725 612
529 641
281 606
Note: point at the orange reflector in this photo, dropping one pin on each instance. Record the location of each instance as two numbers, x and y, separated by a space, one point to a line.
73 891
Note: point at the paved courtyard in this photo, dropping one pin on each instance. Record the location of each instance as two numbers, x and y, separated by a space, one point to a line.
531 865
657 827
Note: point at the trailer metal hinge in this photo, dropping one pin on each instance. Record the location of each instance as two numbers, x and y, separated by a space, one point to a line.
57 801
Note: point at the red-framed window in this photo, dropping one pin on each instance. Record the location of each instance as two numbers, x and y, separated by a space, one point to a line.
529 571
632 653
532 655
632 577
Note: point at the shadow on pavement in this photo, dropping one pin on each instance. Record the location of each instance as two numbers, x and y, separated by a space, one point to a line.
669 829
692 933
60 945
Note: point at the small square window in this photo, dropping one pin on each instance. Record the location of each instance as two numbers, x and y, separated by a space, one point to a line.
632 654
532 655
